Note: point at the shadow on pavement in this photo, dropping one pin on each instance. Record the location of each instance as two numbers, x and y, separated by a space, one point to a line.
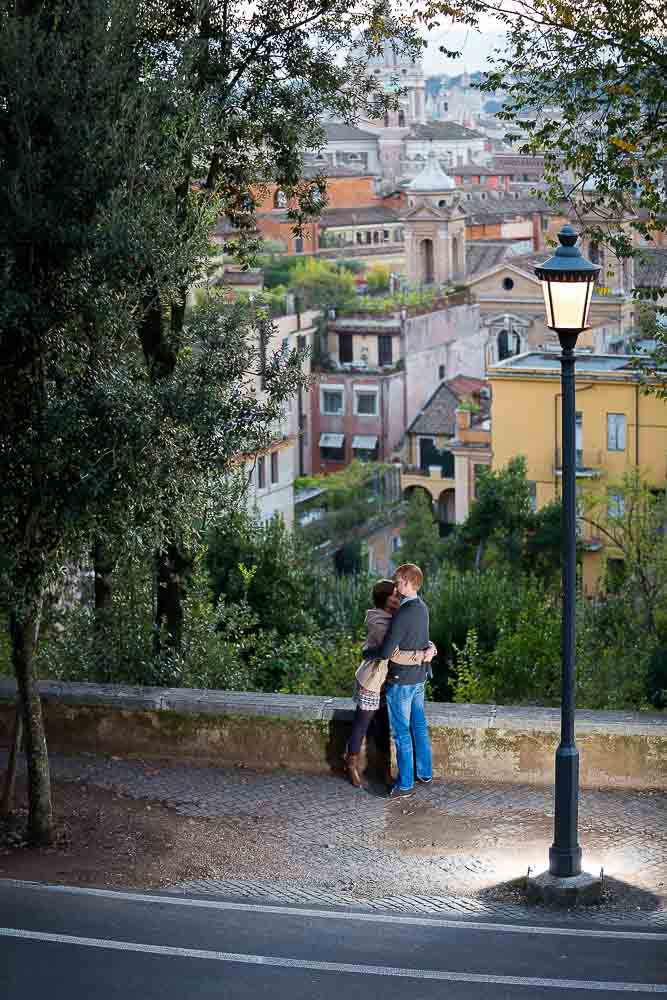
616 895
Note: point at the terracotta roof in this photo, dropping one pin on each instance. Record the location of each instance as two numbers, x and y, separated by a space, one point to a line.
438 415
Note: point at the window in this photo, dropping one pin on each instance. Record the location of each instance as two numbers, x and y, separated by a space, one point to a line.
615 432
579 438
386 119
261 473
332 401
345 349
385 236
284 347
401 117
298 244
385 356
274 467
366 402
508 284
615 503
532 490
441 372
395 543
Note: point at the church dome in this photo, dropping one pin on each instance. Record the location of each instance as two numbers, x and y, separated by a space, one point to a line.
432 179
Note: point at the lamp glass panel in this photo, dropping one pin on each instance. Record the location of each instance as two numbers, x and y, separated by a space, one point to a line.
566 304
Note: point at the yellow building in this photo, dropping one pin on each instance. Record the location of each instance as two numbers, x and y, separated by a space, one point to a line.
619 428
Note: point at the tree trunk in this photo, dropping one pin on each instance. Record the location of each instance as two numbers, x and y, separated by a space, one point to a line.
7 804
25 627
172 569
104 566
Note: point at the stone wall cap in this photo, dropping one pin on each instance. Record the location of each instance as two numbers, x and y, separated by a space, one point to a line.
194 701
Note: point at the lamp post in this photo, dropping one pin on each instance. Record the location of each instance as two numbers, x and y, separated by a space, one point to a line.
567 283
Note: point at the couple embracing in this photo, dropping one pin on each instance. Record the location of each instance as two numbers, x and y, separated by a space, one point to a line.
390 682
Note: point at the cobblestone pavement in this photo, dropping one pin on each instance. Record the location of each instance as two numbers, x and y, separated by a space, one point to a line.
314 838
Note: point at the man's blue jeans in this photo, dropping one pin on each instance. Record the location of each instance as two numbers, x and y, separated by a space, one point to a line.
408 722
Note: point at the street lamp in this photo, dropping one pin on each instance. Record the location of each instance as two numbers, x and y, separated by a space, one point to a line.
567 281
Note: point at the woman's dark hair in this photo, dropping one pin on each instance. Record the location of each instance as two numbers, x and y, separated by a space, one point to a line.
382 591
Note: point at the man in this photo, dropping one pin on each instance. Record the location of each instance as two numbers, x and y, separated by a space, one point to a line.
405 683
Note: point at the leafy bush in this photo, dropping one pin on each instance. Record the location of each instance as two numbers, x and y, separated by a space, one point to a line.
322 285
352 265
377 279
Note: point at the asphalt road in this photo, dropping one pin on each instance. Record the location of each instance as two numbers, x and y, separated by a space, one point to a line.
71 944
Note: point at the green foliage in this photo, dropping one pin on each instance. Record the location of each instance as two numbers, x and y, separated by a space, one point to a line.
322 285
542 553
353 265
267 566
635 531
502 530
414 301
420 536
118 648
323 663
463 601
377 279
278 270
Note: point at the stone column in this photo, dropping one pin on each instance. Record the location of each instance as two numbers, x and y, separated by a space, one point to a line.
461 487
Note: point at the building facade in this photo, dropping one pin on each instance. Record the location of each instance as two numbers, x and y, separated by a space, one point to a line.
374 375
270 474
619 428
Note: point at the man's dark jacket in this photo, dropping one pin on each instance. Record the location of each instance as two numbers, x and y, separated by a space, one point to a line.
408 630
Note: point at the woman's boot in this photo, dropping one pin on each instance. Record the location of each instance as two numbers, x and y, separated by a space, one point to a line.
352 768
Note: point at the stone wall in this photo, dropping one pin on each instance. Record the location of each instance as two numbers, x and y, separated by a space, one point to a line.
479 742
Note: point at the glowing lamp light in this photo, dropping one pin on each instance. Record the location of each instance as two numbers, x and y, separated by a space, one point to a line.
567 280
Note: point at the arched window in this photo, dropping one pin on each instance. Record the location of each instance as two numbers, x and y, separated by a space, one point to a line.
509 344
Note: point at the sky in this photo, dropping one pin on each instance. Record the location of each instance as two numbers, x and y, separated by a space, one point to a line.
475 46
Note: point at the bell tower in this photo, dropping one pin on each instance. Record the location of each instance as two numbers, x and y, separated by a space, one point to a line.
434 223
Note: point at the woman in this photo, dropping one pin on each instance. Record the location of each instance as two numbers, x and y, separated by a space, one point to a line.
371 705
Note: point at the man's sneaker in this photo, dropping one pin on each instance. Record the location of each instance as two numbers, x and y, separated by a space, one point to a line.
401 793
424 781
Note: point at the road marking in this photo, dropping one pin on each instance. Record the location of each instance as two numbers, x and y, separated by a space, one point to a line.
381 918
337 967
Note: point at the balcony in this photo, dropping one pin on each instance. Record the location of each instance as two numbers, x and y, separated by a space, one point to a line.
434 478
589 463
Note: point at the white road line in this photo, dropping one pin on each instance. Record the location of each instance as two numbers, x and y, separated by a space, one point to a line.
303 963
381 918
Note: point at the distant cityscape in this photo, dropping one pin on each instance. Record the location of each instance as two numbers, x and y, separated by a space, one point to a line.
441 220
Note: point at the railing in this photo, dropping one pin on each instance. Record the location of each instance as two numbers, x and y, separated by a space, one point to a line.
589 462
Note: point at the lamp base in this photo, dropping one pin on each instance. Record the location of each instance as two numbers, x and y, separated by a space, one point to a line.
578 890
